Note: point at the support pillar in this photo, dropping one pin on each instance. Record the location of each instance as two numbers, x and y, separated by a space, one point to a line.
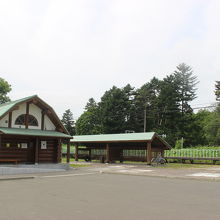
27 115
42 120
90 154
68 152
107 153
76 152
59 153
9 119
149 153
0 141
36 159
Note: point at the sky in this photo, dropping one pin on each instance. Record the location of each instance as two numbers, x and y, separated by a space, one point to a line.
71 50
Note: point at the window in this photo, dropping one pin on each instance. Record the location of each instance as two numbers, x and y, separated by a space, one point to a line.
32 121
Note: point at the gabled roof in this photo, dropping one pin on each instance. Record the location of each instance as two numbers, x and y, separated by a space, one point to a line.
33 132
125 137
5 107
8 106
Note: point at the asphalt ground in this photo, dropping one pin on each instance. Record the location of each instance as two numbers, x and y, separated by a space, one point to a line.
101 196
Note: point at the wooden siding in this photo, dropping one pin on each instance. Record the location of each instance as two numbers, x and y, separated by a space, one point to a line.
10 148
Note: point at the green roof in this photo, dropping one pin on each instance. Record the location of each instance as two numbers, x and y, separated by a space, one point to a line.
8 106
5 107
114 137
33 132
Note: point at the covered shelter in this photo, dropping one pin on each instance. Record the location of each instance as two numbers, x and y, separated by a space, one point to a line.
30 132
119 147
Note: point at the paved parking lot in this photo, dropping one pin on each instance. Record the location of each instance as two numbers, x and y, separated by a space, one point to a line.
200 172
94 195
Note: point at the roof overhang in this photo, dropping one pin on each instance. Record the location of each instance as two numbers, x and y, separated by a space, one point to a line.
34 133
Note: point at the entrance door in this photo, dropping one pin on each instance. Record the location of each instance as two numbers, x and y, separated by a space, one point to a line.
31 151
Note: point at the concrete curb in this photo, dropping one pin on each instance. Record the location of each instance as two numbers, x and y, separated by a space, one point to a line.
167 177
17 178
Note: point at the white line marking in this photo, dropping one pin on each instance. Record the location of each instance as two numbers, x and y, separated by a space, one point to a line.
205 174
66 175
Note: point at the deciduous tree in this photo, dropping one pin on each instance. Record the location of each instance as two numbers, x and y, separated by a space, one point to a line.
5 88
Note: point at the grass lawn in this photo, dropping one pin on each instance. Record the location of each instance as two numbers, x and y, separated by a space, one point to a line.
79 165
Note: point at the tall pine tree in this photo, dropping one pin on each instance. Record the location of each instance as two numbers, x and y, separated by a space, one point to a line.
68 121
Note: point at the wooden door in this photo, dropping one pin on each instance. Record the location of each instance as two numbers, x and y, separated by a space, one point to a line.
31 151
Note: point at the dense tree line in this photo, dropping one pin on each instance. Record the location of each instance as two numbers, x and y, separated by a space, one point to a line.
162 106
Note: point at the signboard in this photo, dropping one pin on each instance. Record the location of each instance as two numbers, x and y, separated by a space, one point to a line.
24 145
43 145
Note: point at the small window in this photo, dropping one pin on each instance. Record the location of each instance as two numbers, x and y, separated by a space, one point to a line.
7 145
32 121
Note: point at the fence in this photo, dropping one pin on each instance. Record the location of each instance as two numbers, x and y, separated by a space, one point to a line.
193 154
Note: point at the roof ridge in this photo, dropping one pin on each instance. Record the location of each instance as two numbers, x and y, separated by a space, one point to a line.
18 100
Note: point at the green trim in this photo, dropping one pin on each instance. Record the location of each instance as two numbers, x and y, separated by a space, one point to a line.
33 132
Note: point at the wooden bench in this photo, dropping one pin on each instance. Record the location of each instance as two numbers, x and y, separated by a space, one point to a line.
10 160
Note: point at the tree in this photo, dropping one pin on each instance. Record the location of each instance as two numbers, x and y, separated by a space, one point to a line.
212 128
168 109
89 121
217 90
5 88
186 82
146 107
115 110
68 121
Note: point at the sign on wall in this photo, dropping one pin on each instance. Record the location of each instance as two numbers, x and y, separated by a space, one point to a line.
24 145
43 145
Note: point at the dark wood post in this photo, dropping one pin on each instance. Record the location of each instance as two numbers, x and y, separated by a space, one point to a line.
42 120
90 154
162 152
68 152
107 153
76 152
27 115
9 119
0 141
59 149
149 153
36 151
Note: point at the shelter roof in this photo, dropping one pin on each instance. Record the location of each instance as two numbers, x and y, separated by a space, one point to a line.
125 137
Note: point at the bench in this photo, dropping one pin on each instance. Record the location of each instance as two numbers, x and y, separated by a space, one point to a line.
10 160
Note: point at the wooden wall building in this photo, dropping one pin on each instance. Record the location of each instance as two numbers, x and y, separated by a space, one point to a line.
119 147
30 132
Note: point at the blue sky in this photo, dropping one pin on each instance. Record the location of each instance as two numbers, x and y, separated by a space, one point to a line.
68 51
